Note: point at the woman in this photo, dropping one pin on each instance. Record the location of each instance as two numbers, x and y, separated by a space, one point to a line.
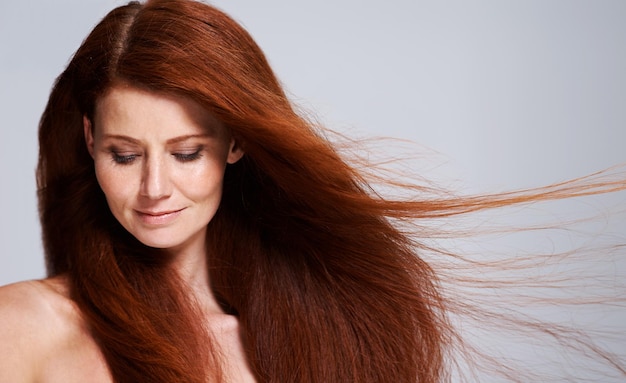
198 229
159 101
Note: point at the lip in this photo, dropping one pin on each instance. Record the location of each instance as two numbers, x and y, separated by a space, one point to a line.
158 218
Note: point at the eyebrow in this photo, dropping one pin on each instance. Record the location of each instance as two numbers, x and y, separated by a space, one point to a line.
170 141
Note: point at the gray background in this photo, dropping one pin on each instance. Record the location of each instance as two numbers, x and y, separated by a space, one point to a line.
500 94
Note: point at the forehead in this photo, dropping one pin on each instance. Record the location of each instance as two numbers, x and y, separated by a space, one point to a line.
127 109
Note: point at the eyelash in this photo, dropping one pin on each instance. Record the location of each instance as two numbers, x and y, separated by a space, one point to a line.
188 157
182 157
123 160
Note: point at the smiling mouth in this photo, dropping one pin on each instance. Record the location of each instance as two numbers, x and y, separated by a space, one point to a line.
159 213
158 218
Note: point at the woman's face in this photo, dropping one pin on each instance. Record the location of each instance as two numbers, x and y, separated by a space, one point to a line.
160 161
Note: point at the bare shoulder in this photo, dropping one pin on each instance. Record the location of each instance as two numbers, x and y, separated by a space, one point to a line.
38 326
30 318
35 297
35 305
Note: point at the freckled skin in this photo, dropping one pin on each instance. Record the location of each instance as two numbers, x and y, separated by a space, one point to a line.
160 161
144 171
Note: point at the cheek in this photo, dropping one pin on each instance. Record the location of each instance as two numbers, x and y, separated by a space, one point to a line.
204 182
115 184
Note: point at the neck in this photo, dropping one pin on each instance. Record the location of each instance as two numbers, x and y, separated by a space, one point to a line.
190 263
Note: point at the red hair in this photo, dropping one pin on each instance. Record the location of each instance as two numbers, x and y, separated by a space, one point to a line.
326 286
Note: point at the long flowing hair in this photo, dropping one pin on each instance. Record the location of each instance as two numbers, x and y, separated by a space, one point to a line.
322 272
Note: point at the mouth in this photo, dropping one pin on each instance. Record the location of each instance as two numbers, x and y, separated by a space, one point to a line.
158 213
158 217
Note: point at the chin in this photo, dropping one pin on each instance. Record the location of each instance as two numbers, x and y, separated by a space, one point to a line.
159 244
170 241
157 241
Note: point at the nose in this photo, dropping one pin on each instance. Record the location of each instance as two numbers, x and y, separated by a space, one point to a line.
155 182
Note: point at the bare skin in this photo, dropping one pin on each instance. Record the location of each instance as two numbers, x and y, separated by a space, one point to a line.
44 339
160 162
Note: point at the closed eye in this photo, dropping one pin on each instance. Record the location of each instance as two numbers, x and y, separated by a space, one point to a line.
123 158
188 157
